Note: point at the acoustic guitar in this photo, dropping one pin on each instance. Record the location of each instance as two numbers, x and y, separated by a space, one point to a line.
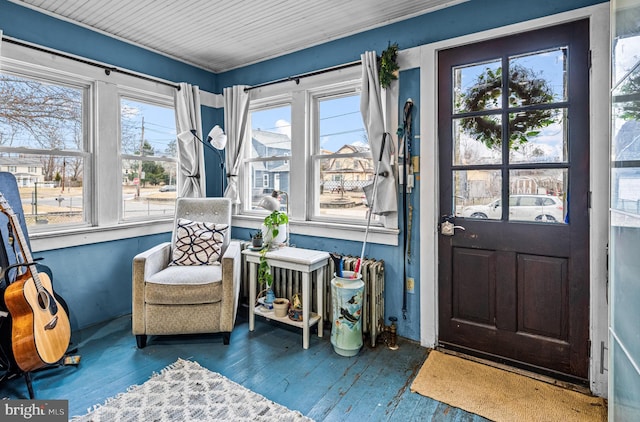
40 331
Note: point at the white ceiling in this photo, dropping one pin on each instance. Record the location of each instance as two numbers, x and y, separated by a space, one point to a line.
221 35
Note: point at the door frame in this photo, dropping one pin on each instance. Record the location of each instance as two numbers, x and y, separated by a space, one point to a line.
425 57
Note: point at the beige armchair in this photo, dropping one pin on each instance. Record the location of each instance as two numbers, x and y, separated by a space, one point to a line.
189 298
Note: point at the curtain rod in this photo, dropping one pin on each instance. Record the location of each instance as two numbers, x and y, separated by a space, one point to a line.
107 69
297 78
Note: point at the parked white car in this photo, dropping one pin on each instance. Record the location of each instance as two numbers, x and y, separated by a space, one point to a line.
544 208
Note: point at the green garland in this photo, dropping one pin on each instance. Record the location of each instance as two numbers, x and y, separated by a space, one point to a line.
387 66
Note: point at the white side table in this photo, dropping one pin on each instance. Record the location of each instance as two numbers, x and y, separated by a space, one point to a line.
304 260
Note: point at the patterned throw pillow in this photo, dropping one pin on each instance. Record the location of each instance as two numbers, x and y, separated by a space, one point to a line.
198 243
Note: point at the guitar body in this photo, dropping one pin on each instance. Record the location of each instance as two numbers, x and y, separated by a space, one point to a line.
40 327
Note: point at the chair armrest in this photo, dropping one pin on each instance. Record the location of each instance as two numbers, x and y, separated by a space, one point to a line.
231 272
145 264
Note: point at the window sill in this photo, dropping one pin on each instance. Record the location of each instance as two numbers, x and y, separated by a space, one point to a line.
44 241
378 235
59 239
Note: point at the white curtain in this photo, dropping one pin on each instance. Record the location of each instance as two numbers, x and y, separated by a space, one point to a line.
190 150
386 199
236 113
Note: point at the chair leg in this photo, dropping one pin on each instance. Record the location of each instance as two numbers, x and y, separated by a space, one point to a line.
141 340
225 338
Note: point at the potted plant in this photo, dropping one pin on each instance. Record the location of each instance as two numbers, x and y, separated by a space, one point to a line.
275 228
256 239
274 231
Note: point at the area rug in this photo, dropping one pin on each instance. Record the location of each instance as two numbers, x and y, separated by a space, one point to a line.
501 395
185 391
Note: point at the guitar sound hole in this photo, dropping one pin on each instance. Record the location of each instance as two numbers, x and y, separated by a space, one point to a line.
43 300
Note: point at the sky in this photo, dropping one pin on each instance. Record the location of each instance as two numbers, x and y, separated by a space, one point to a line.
340 124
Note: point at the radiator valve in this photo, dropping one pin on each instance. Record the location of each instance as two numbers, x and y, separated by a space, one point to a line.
389 333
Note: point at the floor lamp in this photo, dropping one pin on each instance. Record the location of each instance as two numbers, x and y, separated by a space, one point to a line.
216 140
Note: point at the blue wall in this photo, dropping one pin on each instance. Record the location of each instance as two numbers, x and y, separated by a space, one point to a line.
465 18
96 279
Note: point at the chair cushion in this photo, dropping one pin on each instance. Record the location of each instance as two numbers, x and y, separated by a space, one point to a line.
198 243
185 285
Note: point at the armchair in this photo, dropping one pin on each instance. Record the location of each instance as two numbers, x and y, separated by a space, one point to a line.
175 289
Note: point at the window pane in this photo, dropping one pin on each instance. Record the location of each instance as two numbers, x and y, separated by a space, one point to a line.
267 176
270 137
271 132
46 116
477 87
538 78
349 167
340 192
148 186
544 144
477 194
40 115
477 140
538 195
148 128
341 128
49 200
155 194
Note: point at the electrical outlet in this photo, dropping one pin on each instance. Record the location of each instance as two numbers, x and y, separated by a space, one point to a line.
411 285
415 163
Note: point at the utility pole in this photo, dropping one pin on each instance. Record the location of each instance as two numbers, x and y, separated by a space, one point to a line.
140 161
64 172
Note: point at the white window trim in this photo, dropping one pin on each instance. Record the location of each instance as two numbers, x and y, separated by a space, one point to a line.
300 98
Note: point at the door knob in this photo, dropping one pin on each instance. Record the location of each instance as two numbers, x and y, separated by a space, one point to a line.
447 228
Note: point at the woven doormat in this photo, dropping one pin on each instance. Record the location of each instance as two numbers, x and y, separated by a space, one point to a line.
500 395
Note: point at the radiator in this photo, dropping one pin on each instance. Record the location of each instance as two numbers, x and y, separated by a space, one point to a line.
286 283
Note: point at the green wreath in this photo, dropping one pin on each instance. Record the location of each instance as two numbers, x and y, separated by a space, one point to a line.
387 66
525 88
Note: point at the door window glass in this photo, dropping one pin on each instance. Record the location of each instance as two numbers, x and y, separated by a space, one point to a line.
477 194
515 144
540 193
477 140
546 144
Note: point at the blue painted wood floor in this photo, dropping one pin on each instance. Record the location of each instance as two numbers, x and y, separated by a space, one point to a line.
372 386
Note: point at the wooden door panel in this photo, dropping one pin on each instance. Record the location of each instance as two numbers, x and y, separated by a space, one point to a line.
543 284
474 274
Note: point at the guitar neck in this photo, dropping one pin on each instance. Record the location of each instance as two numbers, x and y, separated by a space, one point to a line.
22 242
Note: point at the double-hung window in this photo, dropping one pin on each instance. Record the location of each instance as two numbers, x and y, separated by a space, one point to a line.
94 154
341 159
309 143
149 157
268 153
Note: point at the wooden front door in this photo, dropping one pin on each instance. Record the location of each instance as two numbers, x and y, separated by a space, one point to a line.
513 131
